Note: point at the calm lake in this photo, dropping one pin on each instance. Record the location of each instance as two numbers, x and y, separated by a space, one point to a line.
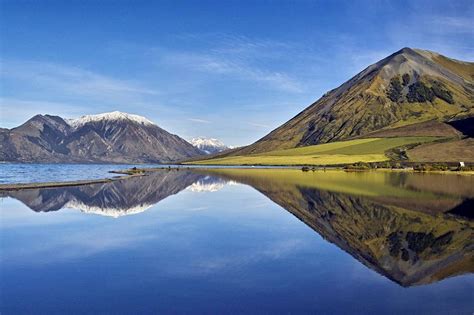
240 241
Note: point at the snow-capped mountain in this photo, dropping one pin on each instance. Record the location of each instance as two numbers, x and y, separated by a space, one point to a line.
209 145
112 116
110 137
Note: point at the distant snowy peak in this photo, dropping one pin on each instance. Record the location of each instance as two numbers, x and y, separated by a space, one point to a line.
209 145
112 116
207 141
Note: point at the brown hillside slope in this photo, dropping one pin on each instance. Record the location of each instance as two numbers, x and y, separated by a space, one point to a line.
410 86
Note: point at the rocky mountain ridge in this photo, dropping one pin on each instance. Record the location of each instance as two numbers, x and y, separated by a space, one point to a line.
105 138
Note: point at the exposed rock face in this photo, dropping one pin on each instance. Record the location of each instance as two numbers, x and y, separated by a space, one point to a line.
410 86
112 137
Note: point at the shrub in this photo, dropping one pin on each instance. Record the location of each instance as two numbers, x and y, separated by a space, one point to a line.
406 79
395 91
419 92
440 91
440 167
397 166
431 167
421 167
358 166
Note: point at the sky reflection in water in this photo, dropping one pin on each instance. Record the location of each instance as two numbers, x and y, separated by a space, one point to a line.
241 241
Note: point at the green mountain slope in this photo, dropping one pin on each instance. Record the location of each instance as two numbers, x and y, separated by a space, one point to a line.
408 87
339 152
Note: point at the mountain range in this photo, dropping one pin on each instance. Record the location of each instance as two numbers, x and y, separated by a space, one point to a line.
209 145
105 138
412 92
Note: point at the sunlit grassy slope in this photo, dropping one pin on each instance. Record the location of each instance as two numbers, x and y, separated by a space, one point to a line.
341 152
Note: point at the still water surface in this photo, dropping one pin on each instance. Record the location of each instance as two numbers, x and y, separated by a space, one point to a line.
34 173
241 241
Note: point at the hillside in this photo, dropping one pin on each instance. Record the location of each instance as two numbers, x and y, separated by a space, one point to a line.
408 87
111 137
341 152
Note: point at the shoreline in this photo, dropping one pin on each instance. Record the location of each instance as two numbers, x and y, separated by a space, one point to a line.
138 172
38 185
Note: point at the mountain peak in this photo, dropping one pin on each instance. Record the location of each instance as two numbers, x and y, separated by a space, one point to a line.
409 86
209 145
111 116
406 50
109 137
417 63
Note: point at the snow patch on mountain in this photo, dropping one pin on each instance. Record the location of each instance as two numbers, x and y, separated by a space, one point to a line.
209 145
209 184
112 116
106 211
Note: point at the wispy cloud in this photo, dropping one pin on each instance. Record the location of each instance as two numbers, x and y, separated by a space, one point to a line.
16 111
198 120
454 24
258 125
238 57
225 66
72 80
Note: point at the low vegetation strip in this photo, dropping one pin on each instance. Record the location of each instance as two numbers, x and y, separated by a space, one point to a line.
323 159
343 152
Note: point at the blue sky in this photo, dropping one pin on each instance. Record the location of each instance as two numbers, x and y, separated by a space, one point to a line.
233 70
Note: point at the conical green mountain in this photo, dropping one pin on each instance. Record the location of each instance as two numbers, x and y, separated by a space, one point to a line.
408 87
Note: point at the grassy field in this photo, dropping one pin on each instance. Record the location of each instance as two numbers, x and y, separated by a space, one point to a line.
341 152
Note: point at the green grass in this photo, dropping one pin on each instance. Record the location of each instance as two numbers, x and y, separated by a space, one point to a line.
341 152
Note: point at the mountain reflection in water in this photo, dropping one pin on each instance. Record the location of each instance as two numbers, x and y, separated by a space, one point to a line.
117 198
411 228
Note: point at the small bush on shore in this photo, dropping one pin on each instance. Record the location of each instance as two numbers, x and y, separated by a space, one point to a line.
358 166
431 167
466 168
397 166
